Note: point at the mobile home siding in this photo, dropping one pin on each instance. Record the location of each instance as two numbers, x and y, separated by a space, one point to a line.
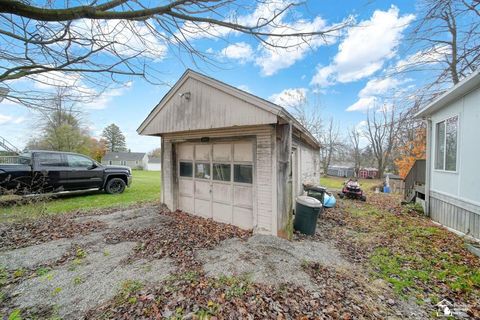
454 196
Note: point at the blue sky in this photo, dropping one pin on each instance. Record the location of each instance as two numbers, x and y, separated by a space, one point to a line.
344 75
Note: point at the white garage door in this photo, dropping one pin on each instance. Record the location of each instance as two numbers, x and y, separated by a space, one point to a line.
216 181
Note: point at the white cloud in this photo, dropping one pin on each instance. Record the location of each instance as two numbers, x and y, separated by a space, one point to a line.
49 80
285 50
244 87
290 98
365 48
87 97
290 49
380 86
363 104
422 58
203 30
323 77
105 98
125 38
377 92
4 119
241 51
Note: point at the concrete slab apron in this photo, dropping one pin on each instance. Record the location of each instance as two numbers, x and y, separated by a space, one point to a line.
270 260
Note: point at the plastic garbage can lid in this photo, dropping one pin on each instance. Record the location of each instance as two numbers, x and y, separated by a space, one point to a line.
316 188
309 201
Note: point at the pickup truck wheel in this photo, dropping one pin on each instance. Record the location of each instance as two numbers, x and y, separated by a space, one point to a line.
115 186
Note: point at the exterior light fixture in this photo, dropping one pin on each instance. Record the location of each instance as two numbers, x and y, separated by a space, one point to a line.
185 95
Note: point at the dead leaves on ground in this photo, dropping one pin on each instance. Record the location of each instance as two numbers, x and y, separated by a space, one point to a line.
200 297
178 239
22 234
405 246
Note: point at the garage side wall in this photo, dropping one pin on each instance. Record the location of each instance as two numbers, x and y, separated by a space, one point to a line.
265 218
284 180
308 165
167 175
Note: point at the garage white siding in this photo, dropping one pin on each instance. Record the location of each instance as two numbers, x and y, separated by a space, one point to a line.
265 183
306 166
207 107
209 127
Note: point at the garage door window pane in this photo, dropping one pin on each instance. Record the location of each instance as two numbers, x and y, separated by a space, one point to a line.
221 172
186 169
243 173
202 170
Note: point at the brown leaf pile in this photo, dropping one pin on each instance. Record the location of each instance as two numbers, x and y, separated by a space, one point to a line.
23 234
209 298
179 239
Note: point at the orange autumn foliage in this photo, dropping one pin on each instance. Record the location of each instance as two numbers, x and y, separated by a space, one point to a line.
411 151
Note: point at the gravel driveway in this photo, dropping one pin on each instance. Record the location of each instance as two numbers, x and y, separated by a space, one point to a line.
67 277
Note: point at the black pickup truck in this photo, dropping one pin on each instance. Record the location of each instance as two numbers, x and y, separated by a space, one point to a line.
50 171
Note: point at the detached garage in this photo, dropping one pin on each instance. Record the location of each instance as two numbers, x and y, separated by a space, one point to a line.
231 156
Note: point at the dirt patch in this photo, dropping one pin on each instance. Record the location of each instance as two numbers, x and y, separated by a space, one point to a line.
69 275
47 253
132 219
74 288
270 260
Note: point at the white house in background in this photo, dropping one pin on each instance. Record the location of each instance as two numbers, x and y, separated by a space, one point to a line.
231 156
452 191
154 164
134 160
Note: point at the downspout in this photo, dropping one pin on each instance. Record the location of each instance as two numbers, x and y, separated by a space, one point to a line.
428 156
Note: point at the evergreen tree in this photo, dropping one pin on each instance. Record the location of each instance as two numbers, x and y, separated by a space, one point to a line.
114 138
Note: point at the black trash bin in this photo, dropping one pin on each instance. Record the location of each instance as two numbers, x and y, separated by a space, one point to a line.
317 192
307 210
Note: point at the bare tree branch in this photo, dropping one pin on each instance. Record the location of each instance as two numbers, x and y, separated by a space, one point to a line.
108 42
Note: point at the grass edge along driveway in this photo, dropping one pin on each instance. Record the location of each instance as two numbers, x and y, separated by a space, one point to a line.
145 188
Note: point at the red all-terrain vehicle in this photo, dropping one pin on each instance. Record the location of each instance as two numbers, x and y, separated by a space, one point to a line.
352 190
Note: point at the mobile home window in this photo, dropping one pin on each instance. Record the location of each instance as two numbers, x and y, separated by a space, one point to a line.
446 133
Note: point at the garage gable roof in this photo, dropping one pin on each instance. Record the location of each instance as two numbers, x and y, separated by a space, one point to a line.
249 98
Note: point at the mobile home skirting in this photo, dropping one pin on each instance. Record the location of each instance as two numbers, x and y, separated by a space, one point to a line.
456 214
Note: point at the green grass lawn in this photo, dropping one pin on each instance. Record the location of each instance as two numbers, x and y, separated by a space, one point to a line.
145 188
337 182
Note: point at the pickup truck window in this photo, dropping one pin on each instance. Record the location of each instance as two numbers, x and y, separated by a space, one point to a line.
76 161
25 158
50 160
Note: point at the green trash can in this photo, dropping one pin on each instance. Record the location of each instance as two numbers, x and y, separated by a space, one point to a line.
307 210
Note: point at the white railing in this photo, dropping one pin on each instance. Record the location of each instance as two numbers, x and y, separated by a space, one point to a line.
8 146
9 160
